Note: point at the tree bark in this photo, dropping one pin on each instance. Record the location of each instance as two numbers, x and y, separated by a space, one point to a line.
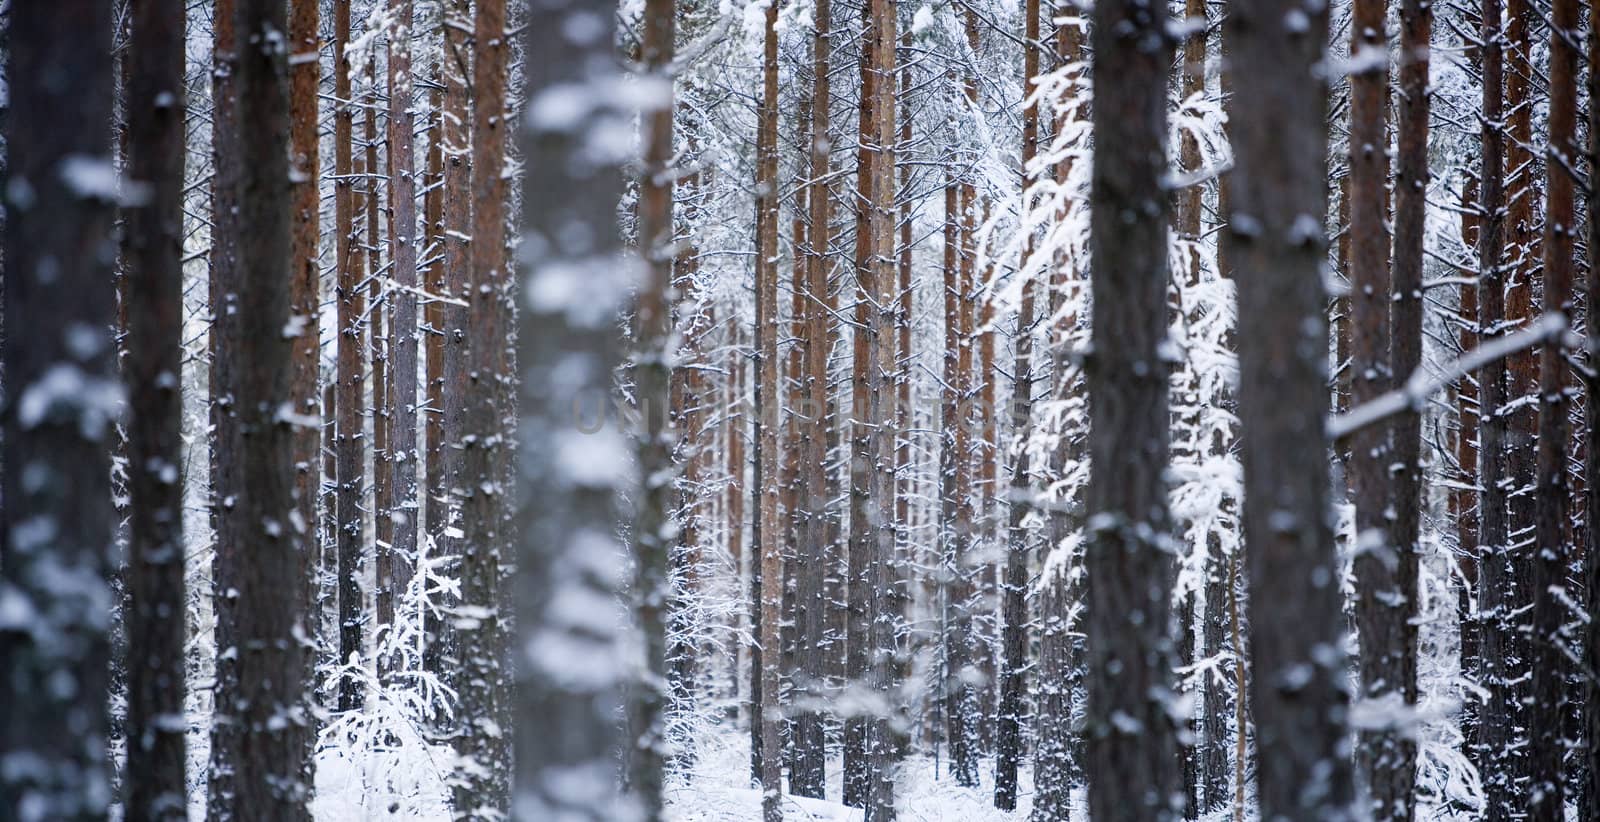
1547 740
154 784
768 543
271 771
402 454
1277 195
57 523
653 529
350 396
1589 753
222 335
1013 589
481 630
1133 754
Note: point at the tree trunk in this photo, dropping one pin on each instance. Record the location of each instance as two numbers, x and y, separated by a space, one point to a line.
305 292
223 335
857 776
57 523
564 529
809 777
380 304
1133 753
1013 589
1547 742
350 396
653 529
456 231
1588 759
481 632
1394 796
768 589
153 783
269 615
1298 689
403 321
1497 725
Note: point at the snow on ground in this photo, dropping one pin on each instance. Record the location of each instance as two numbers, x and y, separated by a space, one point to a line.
717 789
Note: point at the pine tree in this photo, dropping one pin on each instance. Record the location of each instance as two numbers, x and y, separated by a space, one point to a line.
1547 740
154 778
403 327
484 709
1133 755
57 521
350 395
269 612
567 509
1275 247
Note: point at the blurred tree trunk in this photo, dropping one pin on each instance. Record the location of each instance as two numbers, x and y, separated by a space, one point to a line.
57 523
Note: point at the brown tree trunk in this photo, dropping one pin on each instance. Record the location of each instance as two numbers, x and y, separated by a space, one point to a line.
269 615
808 777
483 685
1280 133
768 543
350 395
380 304
57 523
857 776
456 231
1547 741
652 374
153 782
305 292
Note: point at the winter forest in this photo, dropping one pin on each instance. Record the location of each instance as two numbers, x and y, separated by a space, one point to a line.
966 410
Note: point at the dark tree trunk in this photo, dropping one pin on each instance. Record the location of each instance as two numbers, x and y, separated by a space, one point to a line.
224 411
1547 741
1277 196
153 783
270 770
564 529
1589 636
1394 796
484 710
1133 752
57 521
1496 729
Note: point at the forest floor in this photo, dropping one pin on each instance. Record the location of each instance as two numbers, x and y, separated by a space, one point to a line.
717 789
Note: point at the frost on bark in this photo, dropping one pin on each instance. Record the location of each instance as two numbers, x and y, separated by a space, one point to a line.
1133 770
1277 199
57 521
153 782
1589 655
570 563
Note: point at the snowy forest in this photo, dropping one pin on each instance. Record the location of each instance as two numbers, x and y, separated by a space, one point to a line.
966 410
